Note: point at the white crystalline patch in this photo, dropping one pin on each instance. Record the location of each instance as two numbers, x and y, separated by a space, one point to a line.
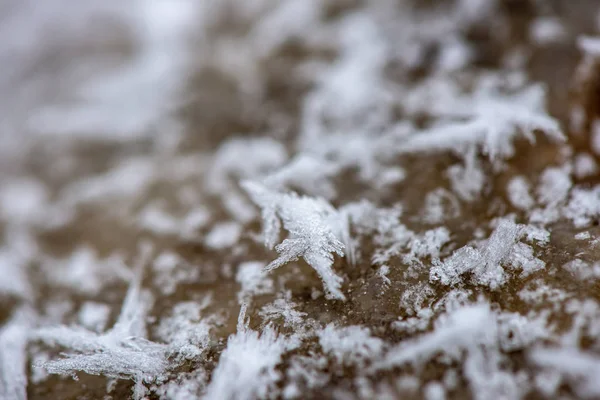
516 332
13 355
124 102
186 332
469 180
352 86
471 332
84 272
519 194
488 261
415 324
584 166
554 186
128 179
232 161
310 174
583 206
187 385
547 30
591 45
571 365
582 270
440 205
552 192
121 352
196 219
486 119
158 221
170 270
246 368
13 270
223 235
428 244
94 316
456 332
595 137
309 370
314 227
455 54
253 280
435 391
583 235
522 258
283 308
350 345
383 272
22 201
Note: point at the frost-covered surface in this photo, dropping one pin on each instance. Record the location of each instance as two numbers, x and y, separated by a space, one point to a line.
297 199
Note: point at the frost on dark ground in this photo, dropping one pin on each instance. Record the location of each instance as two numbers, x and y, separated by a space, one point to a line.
300 199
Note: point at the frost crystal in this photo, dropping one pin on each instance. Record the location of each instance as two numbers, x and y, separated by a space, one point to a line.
573 364
314 227
487 263
121 352
350 345
13 356
251 358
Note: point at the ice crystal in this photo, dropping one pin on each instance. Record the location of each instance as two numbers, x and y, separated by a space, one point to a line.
314 228
121 352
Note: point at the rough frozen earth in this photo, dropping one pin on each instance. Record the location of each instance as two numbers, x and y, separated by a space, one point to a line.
298 199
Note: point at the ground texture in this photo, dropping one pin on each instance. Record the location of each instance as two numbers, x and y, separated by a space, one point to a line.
328 199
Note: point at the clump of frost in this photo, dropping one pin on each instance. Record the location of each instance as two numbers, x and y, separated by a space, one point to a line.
552 192
13 268
158 221
572 365
440 204
223 235
519 194
458 331
169 270
308 173
584 166
488 261
94 316
427 245
388 233
246 368
232 162
121 352
253 280
13 355
351 344
545 31
84 272
186 385
583 206
144 83
187 334
315 231
471 332
582 270
308 371
590 45
488 118
129 178
284 308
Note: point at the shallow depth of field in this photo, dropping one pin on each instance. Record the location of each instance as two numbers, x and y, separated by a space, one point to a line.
300 199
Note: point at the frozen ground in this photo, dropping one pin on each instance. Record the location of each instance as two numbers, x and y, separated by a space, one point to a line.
328 199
